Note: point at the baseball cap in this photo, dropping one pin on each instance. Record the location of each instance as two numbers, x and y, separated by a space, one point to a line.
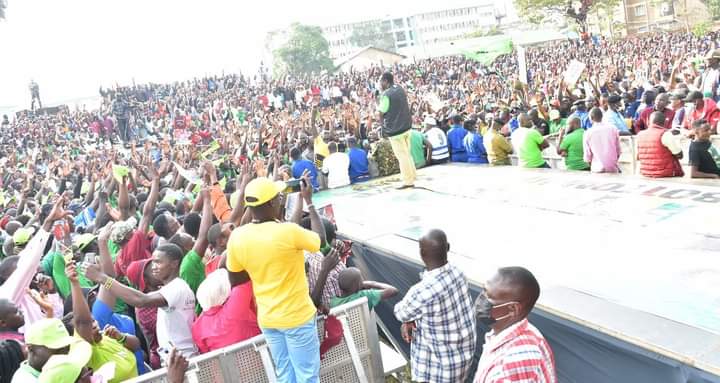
136 273
50 333
66 368
261 190
22 236
121 229
429 121
81 241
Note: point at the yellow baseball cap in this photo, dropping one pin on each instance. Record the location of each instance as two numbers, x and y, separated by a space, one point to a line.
50 333
261 190
66 368
22 236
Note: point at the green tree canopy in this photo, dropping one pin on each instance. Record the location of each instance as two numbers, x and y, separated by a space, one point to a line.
306 51
537 10
714 8
372 34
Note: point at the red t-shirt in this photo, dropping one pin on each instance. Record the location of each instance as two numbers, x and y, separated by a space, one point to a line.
230 323
136 249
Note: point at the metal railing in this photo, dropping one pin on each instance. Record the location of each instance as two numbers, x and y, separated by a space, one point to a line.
356 359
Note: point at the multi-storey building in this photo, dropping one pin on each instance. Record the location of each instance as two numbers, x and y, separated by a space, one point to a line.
420 29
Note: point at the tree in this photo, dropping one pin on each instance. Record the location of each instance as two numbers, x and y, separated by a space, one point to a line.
492 31
306 51
536 10
372 34
714 8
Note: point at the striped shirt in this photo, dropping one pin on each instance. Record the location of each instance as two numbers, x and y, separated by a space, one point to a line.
519 353
438 140
443 343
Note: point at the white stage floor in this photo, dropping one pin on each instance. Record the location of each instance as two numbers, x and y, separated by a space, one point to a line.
652 246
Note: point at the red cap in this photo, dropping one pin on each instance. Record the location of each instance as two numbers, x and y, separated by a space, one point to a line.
333 335
136 273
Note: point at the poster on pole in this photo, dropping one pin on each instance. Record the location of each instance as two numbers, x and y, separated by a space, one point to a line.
573 72
522 64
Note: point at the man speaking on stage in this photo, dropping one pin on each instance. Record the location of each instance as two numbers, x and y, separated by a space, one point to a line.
396 124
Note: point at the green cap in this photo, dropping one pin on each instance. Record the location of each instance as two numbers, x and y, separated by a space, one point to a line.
82 240
22 236
50 333
67 368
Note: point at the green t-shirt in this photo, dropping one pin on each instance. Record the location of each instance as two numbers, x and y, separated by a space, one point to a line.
417 150
555 125
110 350
573 144
62 283
528 141
384 104
373 298
192 270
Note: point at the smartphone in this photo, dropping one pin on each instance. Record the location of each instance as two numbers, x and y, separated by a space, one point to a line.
293 185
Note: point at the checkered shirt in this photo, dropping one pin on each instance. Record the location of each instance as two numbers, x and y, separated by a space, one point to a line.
332 287
444 340
518 354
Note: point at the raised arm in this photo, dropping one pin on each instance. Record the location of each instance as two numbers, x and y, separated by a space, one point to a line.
149 208
239 209
17 284
129 295
388 291
123 199
106 264
201 243
328 264
306 192
82 317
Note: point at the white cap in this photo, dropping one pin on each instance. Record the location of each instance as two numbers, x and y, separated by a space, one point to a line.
430 121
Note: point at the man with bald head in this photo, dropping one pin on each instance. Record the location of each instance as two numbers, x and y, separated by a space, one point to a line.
528 143
514 350
437 317
659 150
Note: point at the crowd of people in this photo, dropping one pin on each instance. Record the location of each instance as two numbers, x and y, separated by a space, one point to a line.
177 219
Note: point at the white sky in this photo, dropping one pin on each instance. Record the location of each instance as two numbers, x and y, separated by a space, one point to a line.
71 47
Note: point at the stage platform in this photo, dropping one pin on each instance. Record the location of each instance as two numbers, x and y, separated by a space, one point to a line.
633 259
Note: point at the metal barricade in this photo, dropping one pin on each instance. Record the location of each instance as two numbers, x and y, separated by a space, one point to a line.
356 359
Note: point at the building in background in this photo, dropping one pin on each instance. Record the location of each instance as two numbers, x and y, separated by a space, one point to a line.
647 16
419 30
633 17
367 57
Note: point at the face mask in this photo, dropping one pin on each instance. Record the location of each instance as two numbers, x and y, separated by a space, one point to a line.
483 310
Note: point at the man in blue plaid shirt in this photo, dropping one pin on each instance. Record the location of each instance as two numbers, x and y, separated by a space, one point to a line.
438 317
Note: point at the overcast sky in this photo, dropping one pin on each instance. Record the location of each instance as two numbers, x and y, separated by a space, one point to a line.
71 47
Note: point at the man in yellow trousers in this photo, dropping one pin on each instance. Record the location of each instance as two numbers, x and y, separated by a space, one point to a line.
396 121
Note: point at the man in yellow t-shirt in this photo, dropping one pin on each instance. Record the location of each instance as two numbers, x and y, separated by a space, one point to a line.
271 253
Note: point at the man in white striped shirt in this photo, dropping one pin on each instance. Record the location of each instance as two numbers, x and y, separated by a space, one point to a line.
438 141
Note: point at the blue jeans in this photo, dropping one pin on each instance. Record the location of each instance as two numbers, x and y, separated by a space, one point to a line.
296 352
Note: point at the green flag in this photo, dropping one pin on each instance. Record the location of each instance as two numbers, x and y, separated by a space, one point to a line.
487 51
